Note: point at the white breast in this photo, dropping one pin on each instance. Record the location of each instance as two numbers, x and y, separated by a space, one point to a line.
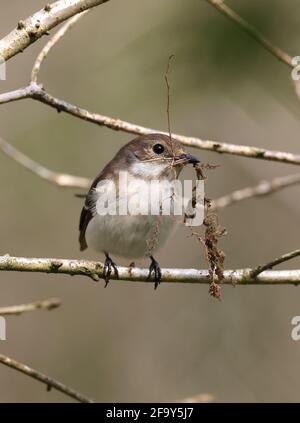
132 235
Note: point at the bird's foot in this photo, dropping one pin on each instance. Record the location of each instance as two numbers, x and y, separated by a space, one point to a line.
154 267
109 265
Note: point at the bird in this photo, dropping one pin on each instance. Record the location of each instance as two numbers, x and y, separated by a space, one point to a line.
132 235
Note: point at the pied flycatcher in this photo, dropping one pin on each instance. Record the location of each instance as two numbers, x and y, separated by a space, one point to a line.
148 158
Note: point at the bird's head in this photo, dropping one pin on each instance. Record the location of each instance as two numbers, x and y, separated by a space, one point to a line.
155 156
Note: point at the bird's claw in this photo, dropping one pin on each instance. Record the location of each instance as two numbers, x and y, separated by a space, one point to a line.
154 267
109 265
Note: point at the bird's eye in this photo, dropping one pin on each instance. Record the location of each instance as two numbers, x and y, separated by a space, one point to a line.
158 148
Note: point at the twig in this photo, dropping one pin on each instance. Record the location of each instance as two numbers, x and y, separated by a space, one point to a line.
51 43
37 92
168 94
94 270
41 377
263 188
271 264
222 7
15 95
60 179
257 36
37 25
49 304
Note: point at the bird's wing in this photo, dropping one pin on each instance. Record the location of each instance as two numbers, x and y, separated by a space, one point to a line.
85 217
109 173
87 212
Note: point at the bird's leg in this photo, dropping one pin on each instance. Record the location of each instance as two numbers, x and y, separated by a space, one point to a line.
107 269
131 266
154 267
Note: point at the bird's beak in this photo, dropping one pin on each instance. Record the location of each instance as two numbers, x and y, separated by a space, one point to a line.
187 158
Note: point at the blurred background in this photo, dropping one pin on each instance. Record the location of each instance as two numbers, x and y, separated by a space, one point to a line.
129 342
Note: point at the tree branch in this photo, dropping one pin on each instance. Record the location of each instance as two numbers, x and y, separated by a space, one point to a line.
49 304
271 264
41 377
281 55
263 188
256 35
94 270
37 92
60 179
37 25
15 95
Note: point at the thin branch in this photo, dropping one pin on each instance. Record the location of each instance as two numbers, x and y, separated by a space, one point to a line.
37 25
117 124
271 264
252 31
257 36
51 43
19 94
37 92
263 188
41 377
60 179
168 94
49 304
94 270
